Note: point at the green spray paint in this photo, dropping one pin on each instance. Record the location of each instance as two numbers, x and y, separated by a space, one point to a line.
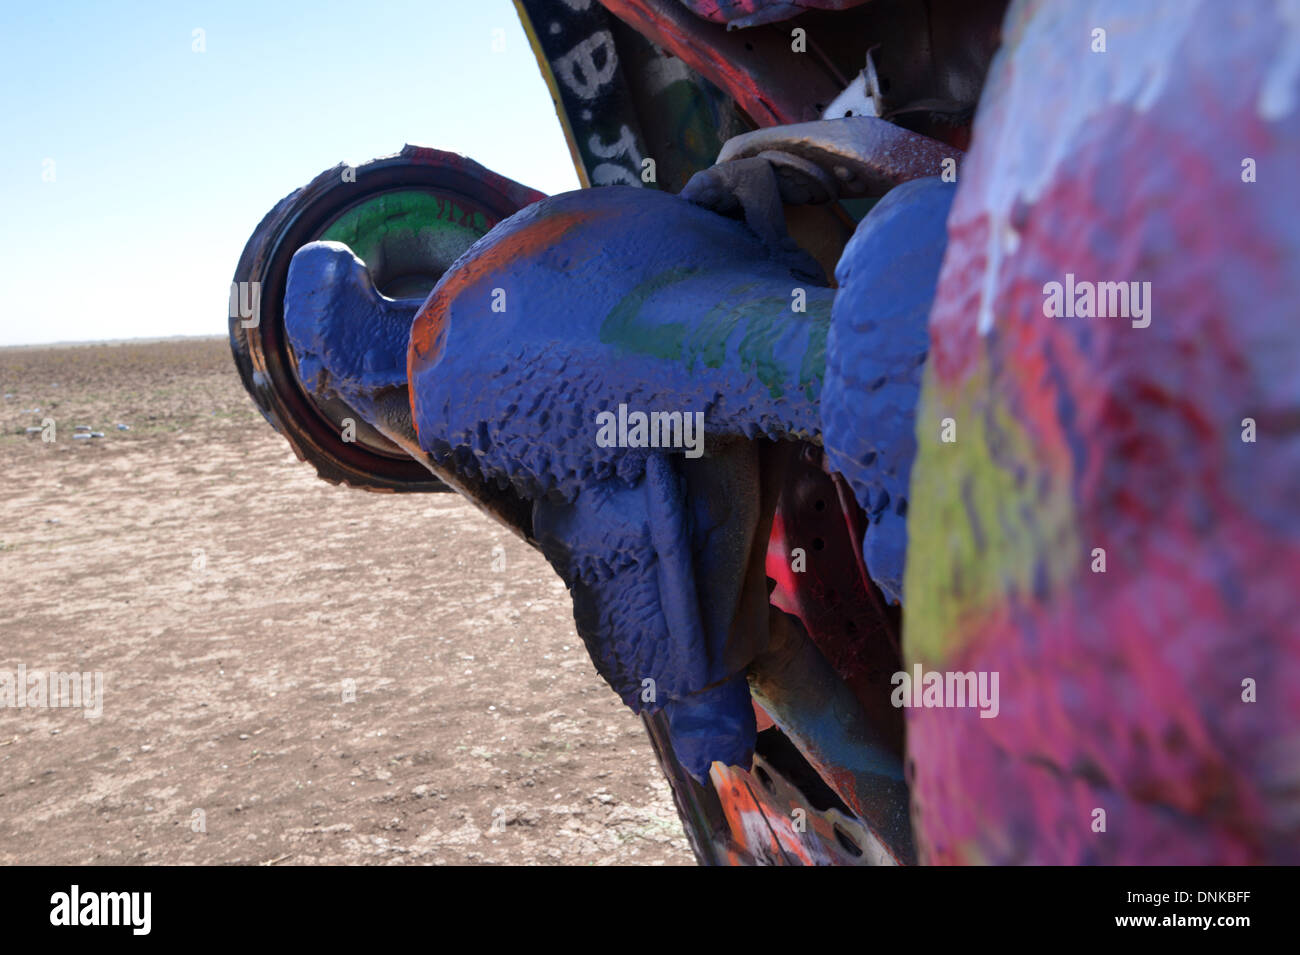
366 227
780 347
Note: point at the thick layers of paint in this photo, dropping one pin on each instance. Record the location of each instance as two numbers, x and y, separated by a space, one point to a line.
589 300
633 300
348 339
877 348
1098 532
621 297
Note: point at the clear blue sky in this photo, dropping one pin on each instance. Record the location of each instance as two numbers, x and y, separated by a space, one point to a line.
166 159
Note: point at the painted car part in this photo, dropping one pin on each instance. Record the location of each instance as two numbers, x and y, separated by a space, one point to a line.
349 341
887 277
666 108
814 562
846 618
750 189
580 62
930 58
611 296
771 197
777 824
772 176
772 83
441 201
854 157
694 655
326 281
910 278
622 100
1103 532
876 350
825 674
779 812
358 364
635 114
864 96
680 309
793 682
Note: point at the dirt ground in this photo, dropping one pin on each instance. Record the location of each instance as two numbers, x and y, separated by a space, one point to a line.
228 596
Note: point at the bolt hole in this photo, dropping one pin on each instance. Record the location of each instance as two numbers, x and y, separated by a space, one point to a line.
819 505
850 626
818 543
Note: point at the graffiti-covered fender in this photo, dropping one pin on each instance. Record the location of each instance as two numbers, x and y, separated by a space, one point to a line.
1103 507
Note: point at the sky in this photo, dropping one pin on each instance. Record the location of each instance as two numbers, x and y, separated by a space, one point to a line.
133 168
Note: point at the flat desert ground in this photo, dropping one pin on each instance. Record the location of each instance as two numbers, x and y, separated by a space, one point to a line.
231 600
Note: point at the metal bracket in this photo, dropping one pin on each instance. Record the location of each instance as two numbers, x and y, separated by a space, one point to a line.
863 156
